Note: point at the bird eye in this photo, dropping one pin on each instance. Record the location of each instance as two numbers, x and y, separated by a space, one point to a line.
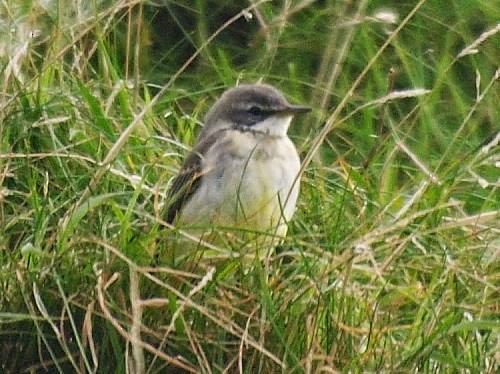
255 110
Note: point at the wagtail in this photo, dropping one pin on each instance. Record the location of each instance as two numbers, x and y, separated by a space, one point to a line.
243 170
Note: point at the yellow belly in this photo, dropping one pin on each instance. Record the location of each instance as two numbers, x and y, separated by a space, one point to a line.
240 204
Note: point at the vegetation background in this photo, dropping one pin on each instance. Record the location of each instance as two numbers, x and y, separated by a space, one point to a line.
391 263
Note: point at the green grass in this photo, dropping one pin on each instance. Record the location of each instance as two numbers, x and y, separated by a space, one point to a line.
391 262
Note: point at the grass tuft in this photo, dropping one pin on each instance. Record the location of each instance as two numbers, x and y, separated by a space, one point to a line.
391 261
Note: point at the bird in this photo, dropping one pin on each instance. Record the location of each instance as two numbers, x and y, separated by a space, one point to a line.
242 172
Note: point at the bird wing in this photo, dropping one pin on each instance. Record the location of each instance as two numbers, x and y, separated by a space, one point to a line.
189 179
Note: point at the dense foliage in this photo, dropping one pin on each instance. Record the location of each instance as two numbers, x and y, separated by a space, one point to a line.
391 262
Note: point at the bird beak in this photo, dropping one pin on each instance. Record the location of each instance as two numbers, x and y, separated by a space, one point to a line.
295 109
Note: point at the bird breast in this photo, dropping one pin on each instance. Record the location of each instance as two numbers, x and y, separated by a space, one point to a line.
249 180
